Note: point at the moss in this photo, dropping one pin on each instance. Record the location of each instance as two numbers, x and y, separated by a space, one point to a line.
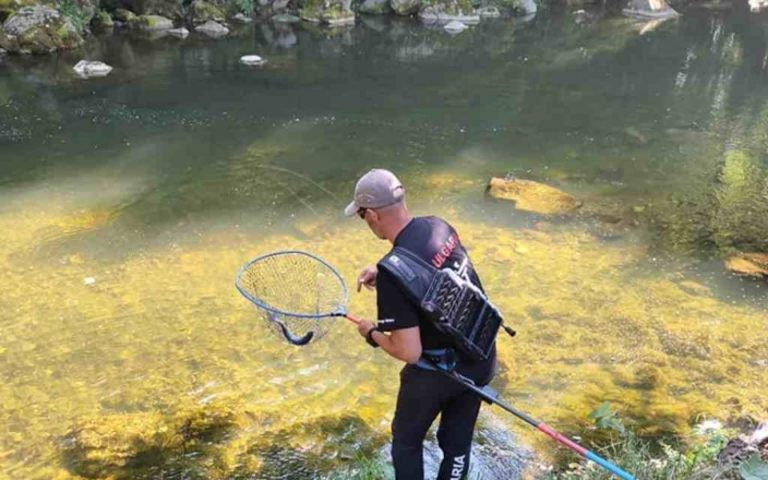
202 11
102 21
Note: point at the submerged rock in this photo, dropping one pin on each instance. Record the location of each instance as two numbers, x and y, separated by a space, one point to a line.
749 264
649 9
756 6
212 29
252 60
89 69
533 196
38 29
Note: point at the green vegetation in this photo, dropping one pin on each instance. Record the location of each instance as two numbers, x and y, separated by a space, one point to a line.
245 6
75 13
660 459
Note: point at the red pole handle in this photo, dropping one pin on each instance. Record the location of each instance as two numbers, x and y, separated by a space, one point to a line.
352 319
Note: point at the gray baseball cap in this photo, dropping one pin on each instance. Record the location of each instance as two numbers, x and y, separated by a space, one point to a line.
377 188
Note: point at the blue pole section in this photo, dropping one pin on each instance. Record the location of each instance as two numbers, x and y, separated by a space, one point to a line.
608 466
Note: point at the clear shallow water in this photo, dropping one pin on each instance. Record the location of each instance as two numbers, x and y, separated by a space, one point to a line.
160 180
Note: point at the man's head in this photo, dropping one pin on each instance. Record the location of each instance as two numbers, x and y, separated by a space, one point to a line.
380 200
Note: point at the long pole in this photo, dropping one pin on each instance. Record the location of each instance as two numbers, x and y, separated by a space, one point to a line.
490 396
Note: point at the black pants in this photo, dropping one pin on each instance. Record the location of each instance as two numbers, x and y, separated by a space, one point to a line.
423 394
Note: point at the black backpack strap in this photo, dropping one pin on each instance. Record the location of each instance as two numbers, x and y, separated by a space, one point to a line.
412 273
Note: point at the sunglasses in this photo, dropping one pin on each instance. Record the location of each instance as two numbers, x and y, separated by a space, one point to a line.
361 212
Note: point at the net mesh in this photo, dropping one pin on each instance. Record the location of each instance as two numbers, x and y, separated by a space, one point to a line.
297 292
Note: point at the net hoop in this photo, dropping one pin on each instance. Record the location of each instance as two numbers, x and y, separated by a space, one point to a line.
339 312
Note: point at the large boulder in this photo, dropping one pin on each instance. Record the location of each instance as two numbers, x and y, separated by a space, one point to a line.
7 7
533 196
212 29
37 30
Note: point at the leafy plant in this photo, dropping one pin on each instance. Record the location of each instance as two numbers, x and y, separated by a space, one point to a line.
754 469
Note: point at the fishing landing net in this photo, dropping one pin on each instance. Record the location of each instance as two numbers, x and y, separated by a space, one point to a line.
296 292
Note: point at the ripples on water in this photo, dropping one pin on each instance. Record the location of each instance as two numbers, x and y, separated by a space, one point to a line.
128 203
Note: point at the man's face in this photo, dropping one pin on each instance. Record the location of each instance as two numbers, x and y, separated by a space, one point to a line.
373 219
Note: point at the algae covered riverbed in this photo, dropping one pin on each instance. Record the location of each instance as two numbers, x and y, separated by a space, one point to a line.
127 206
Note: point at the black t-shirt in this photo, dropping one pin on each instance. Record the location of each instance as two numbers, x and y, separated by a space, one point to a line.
437 243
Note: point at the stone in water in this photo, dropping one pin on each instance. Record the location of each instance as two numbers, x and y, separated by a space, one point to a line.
88 69
455 27
252 60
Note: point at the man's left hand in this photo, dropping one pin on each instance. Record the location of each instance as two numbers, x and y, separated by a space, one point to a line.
364 326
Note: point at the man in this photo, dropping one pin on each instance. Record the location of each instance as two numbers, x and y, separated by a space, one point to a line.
405 333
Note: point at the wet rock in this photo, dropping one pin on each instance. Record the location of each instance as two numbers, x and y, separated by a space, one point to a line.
532 196
151 23
179 32
212 29
88 69
526 8
37 30
375 7
455 27
252 60
756 6
489 12
439 14
241 18
405 7
749 264
649 9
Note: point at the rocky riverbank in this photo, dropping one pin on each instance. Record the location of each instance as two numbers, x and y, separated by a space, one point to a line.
31 27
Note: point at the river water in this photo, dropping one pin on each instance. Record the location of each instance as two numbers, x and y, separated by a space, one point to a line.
128 203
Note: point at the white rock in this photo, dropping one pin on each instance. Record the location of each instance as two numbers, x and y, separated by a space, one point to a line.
179 32
252 60
89 281
88 69
241 18
489 12
212 29
455 27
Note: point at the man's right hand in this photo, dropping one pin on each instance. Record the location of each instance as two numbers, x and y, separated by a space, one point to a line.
367 277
